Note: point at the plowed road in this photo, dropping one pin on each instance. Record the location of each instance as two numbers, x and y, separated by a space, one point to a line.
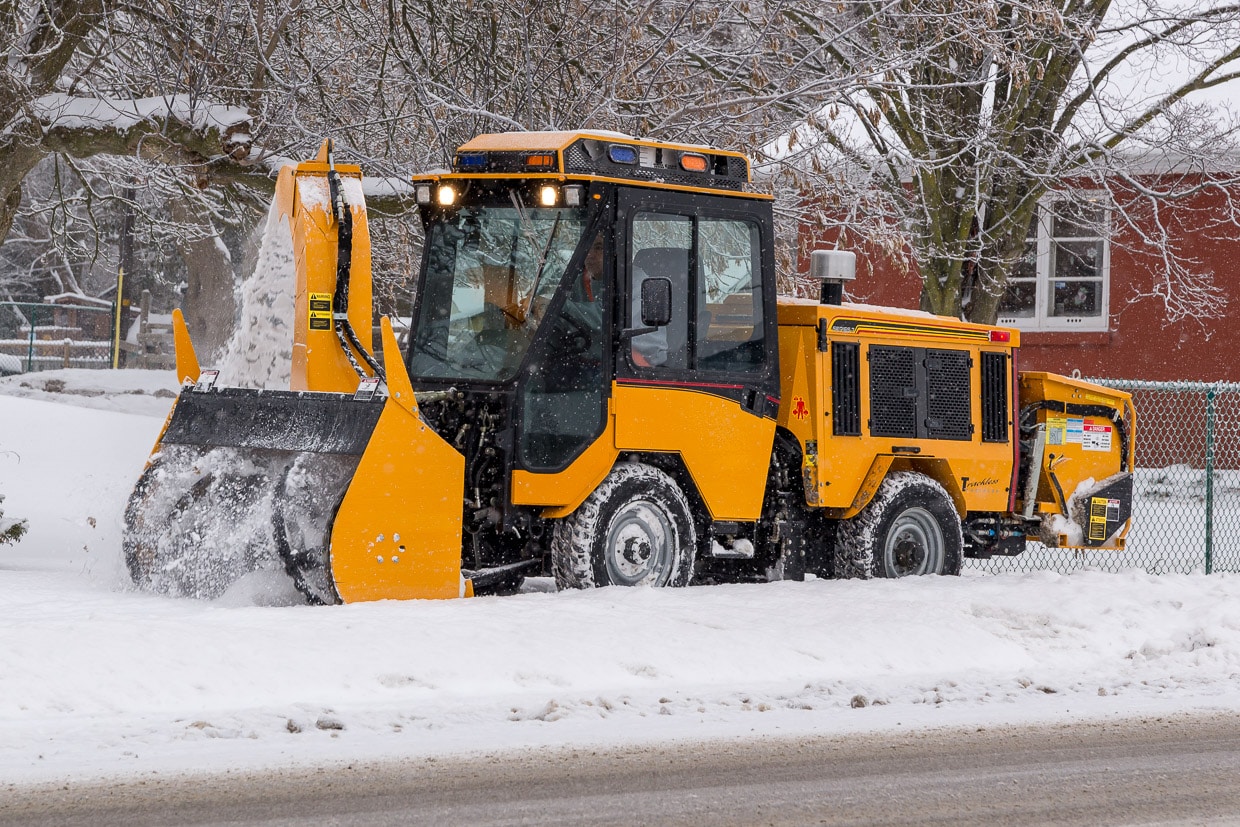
1173 770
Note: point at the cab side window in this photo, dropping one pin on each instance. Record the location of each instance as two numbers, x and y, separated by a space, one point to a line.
729 293
714 265
660 248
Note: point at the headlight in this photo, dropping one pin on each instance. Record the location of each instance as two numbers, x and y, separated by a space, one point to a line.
548 195
447 196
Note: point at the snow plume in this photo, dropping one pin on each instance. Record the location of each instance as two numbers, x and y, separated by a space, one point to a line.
260 352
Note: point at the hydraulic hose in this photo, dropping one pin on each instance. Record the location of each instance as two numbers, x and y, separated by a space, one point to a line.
344 262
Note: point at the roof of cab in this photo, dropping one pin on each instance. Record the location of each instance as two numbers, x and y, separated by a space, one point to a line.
518 141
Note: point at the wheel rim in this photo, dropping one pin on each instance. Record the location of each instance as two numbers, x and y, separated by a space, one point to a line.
640 545
914 545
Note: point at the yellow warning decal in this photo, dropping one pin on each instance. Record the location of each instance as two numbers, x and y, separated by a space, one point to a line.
1098 518
320 311
1056 430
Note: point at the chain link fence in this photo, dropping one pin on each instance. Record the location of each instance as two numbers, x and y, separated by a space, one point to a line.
1186 492
48 336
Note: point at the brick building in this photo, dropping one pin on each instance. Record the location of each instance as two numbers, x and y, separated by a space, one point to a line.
1085 297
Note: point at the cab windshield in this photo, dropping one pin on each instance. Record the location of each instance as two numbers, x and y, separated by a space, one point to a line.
491 270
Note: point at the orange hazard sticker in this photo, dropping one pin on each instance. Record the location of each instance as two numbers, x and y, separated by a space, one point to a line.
799 409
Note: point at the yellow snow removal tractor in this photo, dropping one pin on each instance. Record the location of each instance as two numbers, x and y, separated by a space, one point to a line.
600 384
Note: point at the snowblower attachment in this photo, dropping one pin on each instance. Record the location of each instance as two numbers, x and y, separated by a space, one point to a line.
338 481
1077 460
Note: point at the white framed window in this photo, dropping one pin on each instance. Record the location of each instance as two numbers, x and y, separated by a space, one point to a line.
1063 280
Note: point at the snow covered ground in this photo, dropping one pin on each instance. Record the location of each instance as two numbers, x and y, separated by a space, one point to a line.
97 680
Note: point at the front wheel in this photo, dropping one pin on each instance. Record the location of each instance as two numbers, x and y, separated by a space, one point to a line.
910 527
634 530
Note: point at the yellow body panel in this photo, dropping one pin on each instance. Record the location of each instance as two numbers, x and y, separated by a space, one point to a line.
319 362
187 359
842 473
563 491
397 534
559 141
726 449
573 177
554 143
888 322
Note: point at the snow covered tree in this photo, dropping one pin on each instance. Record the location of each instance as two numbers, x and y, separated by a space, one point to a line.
932 125
954 120
110 110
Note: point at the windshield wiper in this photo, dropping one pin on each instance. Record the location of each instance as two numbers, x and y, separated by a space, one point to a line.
531 235
542 264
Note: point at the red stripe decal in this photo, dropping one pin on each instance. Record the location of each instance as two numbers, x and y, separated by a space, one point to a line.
670 383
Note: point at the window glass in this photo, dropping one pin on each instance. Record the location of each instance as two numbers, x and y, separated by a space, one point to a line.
491 270
1020 301
729 307
562 404
1076 298
1061 281
1074 220
1077 272
660 248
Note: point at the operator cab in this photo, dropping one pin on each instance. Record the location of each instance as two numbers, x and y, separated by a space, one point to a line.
559 266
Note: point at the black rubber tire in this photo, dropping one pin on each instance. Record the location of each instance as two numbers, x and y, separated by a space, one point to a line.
910 528
635 529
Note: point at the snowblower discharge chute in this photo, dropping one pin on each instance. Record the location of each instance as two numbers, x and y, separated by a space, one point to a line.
600 384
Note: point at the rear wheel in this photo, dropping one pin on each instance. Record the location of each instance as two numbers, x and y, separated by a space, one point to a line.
634 530
910 527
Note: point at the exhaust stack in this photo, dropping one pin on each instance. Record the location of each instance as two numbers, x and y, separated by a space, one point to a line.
832 268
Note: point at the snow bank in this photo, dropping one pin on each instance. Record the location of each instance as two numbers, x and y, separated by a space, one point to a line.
148 392
99 680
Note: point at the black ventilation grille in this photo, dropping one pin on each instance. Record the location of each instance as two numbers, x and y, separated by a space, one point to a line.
893 392
994 397
845 389
948 399
920 393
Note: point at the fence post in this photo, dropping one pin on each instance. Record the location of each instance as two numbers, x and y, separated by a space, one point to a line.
34 318
118 308
1210 412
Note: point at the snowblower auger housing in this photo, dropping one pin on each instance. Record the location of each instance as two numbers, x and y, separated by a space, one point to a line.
350 492
601 384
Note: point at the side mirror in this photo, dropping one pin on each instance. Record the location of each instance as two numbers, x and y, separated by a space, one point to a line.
656 301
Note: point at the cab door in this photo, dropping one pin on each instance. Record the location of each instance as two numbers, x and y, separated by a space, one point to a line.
562 393
705 385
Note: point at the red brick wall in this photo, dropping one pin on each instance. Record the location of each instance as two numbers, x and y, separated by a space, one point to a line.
1140 344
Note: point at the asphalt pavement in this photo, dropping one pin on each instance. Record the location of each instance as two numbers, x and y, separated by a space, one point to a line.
1175 770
